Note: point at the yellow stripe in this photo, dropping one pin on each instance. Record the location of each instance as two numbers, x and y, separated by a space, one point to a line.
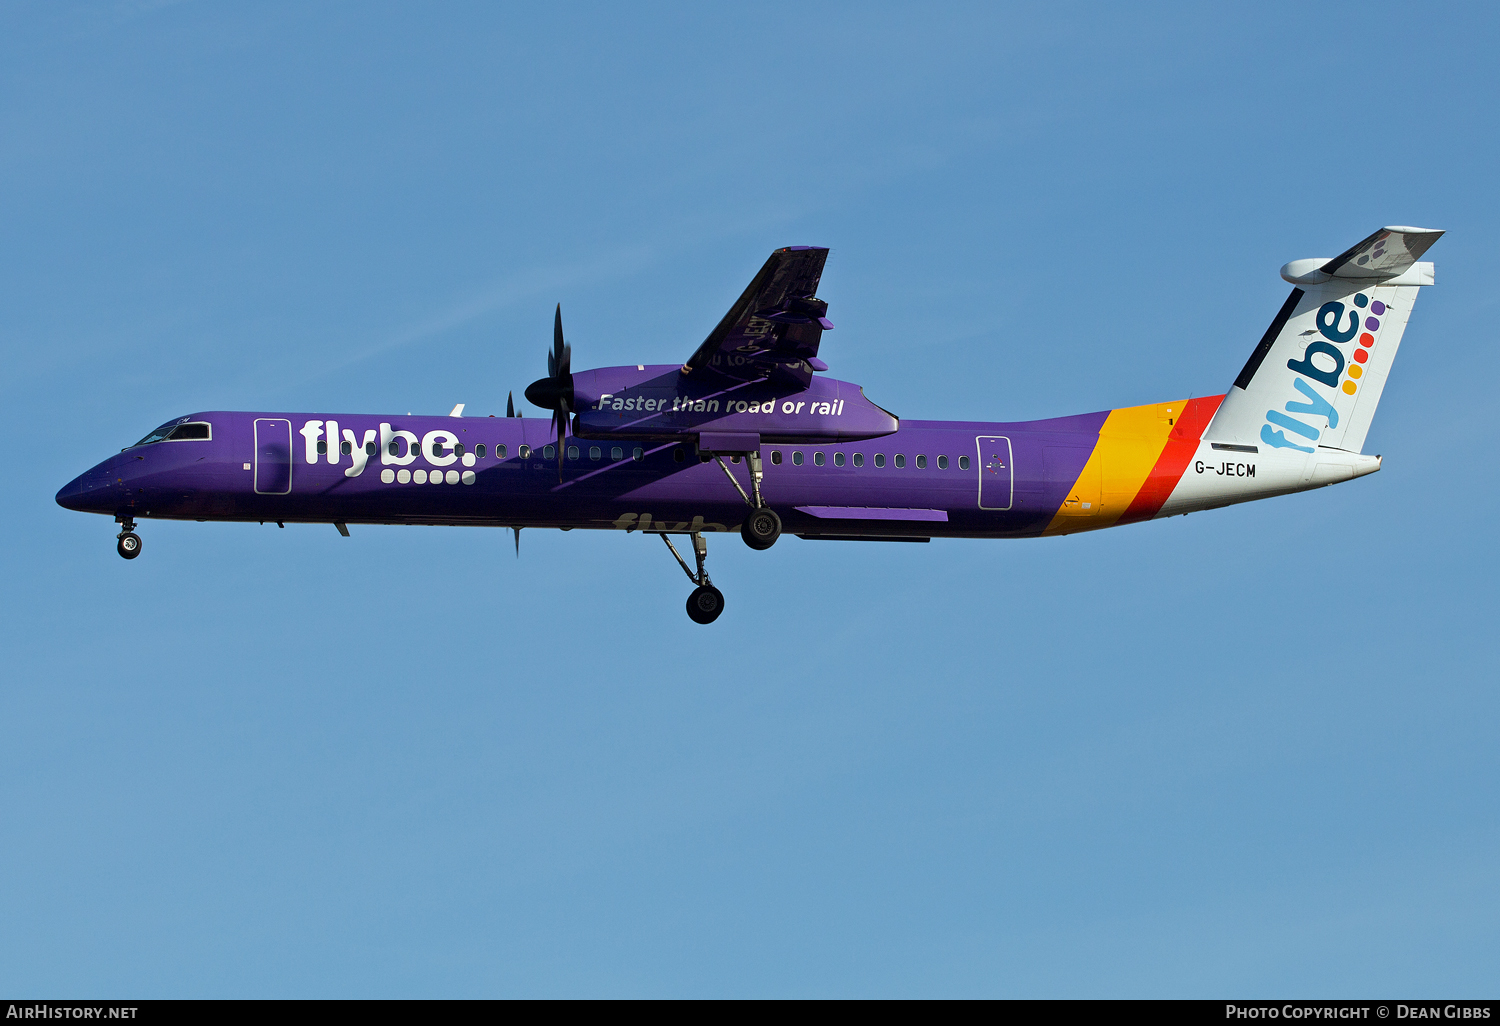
1130 442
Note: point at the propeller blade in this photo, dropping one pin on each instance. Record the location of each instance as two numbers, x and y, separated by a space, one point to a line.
510 404
562 352
560 421
555 391
518 541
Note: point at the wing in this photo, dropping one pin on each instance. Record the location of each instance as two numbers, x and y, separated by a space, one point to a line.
774 328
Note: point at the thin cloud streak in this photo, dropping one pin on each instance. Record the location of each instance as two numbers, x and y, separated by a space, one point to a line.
498 296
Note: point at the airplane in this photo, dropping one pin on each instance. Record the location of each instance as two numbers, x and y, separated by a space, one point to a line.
750 434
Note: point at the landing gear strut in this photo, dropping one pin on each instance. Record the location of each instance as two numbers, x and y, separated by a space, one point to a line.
762 527
128 543
706 602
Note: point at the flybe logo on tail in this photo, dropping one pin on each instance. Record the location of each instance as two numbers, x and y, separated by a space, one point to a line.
1324 363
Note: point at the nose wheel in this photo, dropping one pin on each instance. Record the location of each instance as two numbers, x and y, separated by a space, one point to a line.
127 542
706 602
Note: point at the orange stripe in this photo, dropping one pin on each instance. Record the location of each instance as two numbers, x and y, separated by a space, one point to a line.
1174 459
1129 447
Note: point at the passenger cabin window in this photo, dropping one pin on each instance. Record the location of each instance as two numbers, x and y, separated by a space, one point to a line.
838 459
346 447
458 448
818 458
638 454
524 452
880 459
500 452
371 448
322 447
437 448
549 451
479 451
921 462
776 457
963 463
900 460
616 453
678 455
796 458
392 447
572 452
859 459
942 463
594 452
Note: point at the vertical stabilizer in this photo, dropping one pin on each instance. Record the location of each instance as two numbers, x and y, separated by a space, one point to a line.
1316 376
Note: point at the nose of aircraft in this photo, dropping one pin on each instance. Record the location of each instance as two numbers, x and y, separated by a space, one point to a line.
85 493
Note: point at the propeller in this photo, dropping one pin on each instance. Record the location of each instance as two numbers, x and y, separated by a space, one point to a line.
510 404
555 391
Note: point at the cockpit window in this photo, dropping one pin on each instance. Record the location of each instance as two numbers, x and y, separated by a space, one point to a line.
175 432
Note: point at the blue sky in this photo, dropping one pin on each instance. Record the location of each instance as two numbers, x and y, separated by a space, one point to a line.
1248 752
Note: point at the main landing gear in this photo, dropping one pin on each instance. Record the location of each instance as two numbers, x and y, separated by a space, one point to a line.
706 602
128 543
762 527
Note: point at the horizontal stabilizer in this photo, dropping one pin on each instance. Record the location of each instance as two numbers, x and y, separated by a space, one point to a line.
1387 254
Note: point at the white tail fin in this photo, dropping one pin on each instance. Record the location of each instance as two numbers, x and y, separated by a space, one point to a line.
1316 377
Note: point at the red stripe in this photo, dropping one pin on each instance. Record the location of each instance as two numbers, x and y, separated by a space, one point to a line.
1174 459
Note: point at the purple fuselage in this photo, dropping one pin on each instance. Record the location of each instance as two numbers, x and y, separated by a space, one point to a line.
923 479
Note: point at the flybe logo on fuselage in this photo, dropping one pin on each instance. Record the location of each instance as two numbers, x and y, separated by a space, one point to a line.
1323 362
325 440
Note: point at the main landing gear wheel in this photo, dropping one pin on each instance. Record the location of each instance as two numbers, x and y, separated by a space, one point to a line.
705 604
129 545
761 528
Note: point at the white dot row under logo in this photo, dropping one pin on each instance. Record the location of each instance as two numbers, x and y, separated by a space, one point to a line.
422 477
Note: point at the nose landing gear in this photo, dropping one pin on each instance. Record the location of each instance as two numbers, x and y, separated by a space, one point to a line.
128 543
706 602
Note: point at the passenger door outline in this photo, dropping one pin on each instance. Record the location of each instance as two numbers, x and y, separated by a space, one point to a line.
997 471
273 456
